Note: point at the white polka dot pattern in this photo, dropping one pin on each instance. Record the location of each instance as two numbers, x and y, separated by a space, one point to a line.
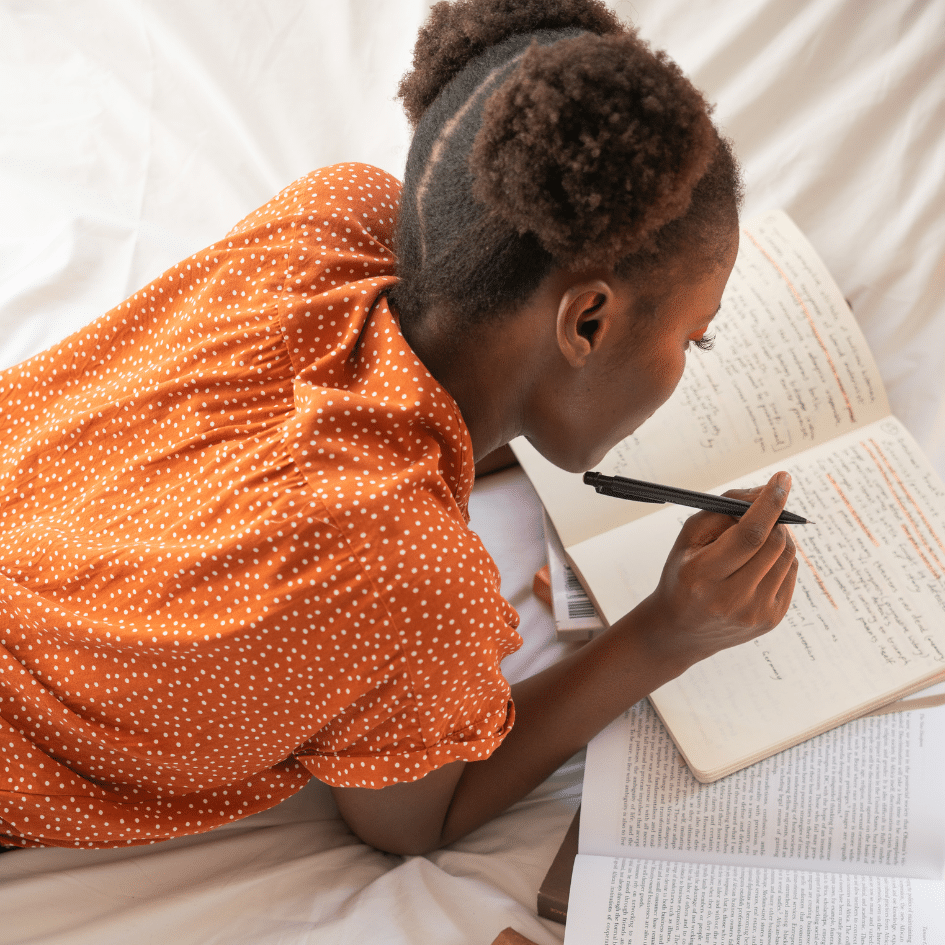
234 548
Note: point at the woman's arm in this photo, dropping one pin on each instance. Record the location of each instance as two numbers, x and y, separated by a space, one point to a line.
725 583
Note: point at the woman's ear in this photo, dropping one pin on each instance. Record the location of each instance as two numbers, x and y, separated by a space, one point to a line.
586 314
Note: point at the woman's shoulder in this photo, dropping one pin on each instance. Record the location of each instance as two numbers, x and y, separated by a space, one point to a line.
353 200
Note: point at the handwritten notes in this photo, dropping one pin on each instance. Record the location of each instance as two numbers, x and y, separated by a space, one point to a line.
786 374
868 615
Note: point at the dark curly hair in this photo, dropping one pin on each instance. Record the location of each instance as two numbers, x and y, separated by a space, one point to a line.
548 134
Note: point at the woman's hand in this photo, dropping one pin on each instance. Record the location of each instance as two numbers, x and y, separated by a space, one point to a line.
726 580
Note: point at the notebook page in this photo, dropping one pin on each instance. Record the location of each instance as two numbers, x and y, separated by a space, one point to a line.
867 619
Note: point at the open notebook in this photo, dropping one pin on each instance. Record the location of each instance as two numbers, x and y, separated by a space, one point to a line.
791 385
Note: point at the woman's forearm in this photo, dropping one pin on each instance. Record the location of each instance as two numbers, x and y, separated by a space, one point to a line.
725 583
557 712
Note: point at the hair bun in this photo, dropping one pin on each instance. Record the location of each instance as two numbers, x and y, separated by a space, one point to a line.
456 33
592 144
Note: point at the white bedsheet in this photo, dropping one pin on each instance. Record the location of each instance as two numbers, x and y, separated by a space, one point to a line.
132 132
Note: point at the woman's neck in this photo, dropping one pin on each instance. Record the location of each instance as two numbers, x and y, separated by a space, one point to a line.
486 370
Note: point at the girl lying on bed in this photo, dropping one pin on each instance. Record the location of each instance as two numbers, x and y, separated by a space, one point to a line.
235 551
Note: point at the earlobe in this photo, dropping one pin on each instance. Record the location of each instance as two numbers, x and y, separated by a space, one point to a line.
584 316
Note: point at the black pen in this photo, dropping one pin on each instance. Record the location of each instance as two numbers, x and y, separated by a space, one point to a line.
639 491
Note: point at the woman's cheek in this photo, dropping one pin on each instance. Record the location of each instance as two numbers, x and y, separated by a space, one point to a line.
673 376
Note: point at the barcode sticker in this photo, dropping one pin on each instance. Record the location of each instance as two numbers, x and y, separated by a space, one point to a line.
579 604
575 615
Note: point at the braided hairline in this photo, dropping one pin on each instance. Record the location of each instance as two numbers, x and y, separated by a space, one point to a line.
442 139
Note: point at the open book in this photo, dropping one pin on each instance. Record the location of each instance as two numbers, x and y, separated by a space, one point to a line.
838 839
790 385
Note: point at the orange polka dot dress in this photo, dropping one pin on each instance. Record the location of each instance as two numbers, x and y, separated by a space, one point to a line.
234 550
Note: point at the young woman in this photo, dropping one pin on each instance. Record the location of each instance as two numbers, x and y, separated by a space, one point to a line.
235 552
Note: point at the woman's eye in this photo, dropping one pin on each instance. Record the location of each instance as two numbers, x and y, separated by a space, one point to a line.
703 342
